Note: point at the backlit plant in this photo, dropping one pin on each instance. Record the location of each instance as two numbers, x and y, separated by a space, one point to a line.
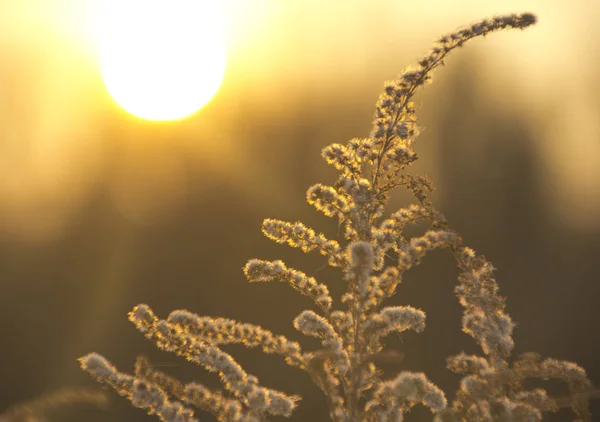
372 256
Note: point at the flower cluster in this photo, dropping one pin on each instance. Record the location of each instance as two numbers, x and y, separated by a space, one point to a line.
373 257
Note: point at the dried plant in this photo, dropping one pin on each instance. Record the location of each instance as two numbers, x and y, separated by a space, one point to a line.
346 367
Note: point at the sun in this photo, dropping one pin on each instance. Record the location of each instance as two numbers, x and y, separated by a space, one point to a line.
161 59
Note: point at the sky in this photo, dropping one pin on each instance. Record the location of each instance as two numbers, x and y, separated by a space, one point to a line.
56 108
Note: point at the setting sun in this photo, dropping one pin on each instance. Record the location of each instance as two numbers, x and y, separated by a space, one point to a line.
162 59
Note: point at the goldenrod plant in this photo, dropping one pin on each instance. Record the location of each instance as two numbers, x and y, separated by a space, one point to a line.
373 256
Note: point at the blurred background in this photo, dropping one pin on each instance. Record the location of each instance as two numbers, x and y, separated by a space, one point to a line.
100 210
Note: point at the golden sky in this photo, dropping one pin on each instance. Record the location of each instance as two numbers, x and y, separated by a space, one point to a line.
59 127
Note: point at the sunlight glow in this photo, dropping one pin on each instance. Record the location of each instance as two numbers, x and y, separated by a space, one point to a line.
162 59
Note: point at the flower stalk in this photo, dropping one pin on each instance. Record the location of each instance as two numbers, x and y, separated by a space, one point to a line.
373 255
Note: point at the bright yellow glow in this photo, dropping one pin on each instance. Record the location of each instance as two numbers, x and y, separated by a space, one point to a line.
162 59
